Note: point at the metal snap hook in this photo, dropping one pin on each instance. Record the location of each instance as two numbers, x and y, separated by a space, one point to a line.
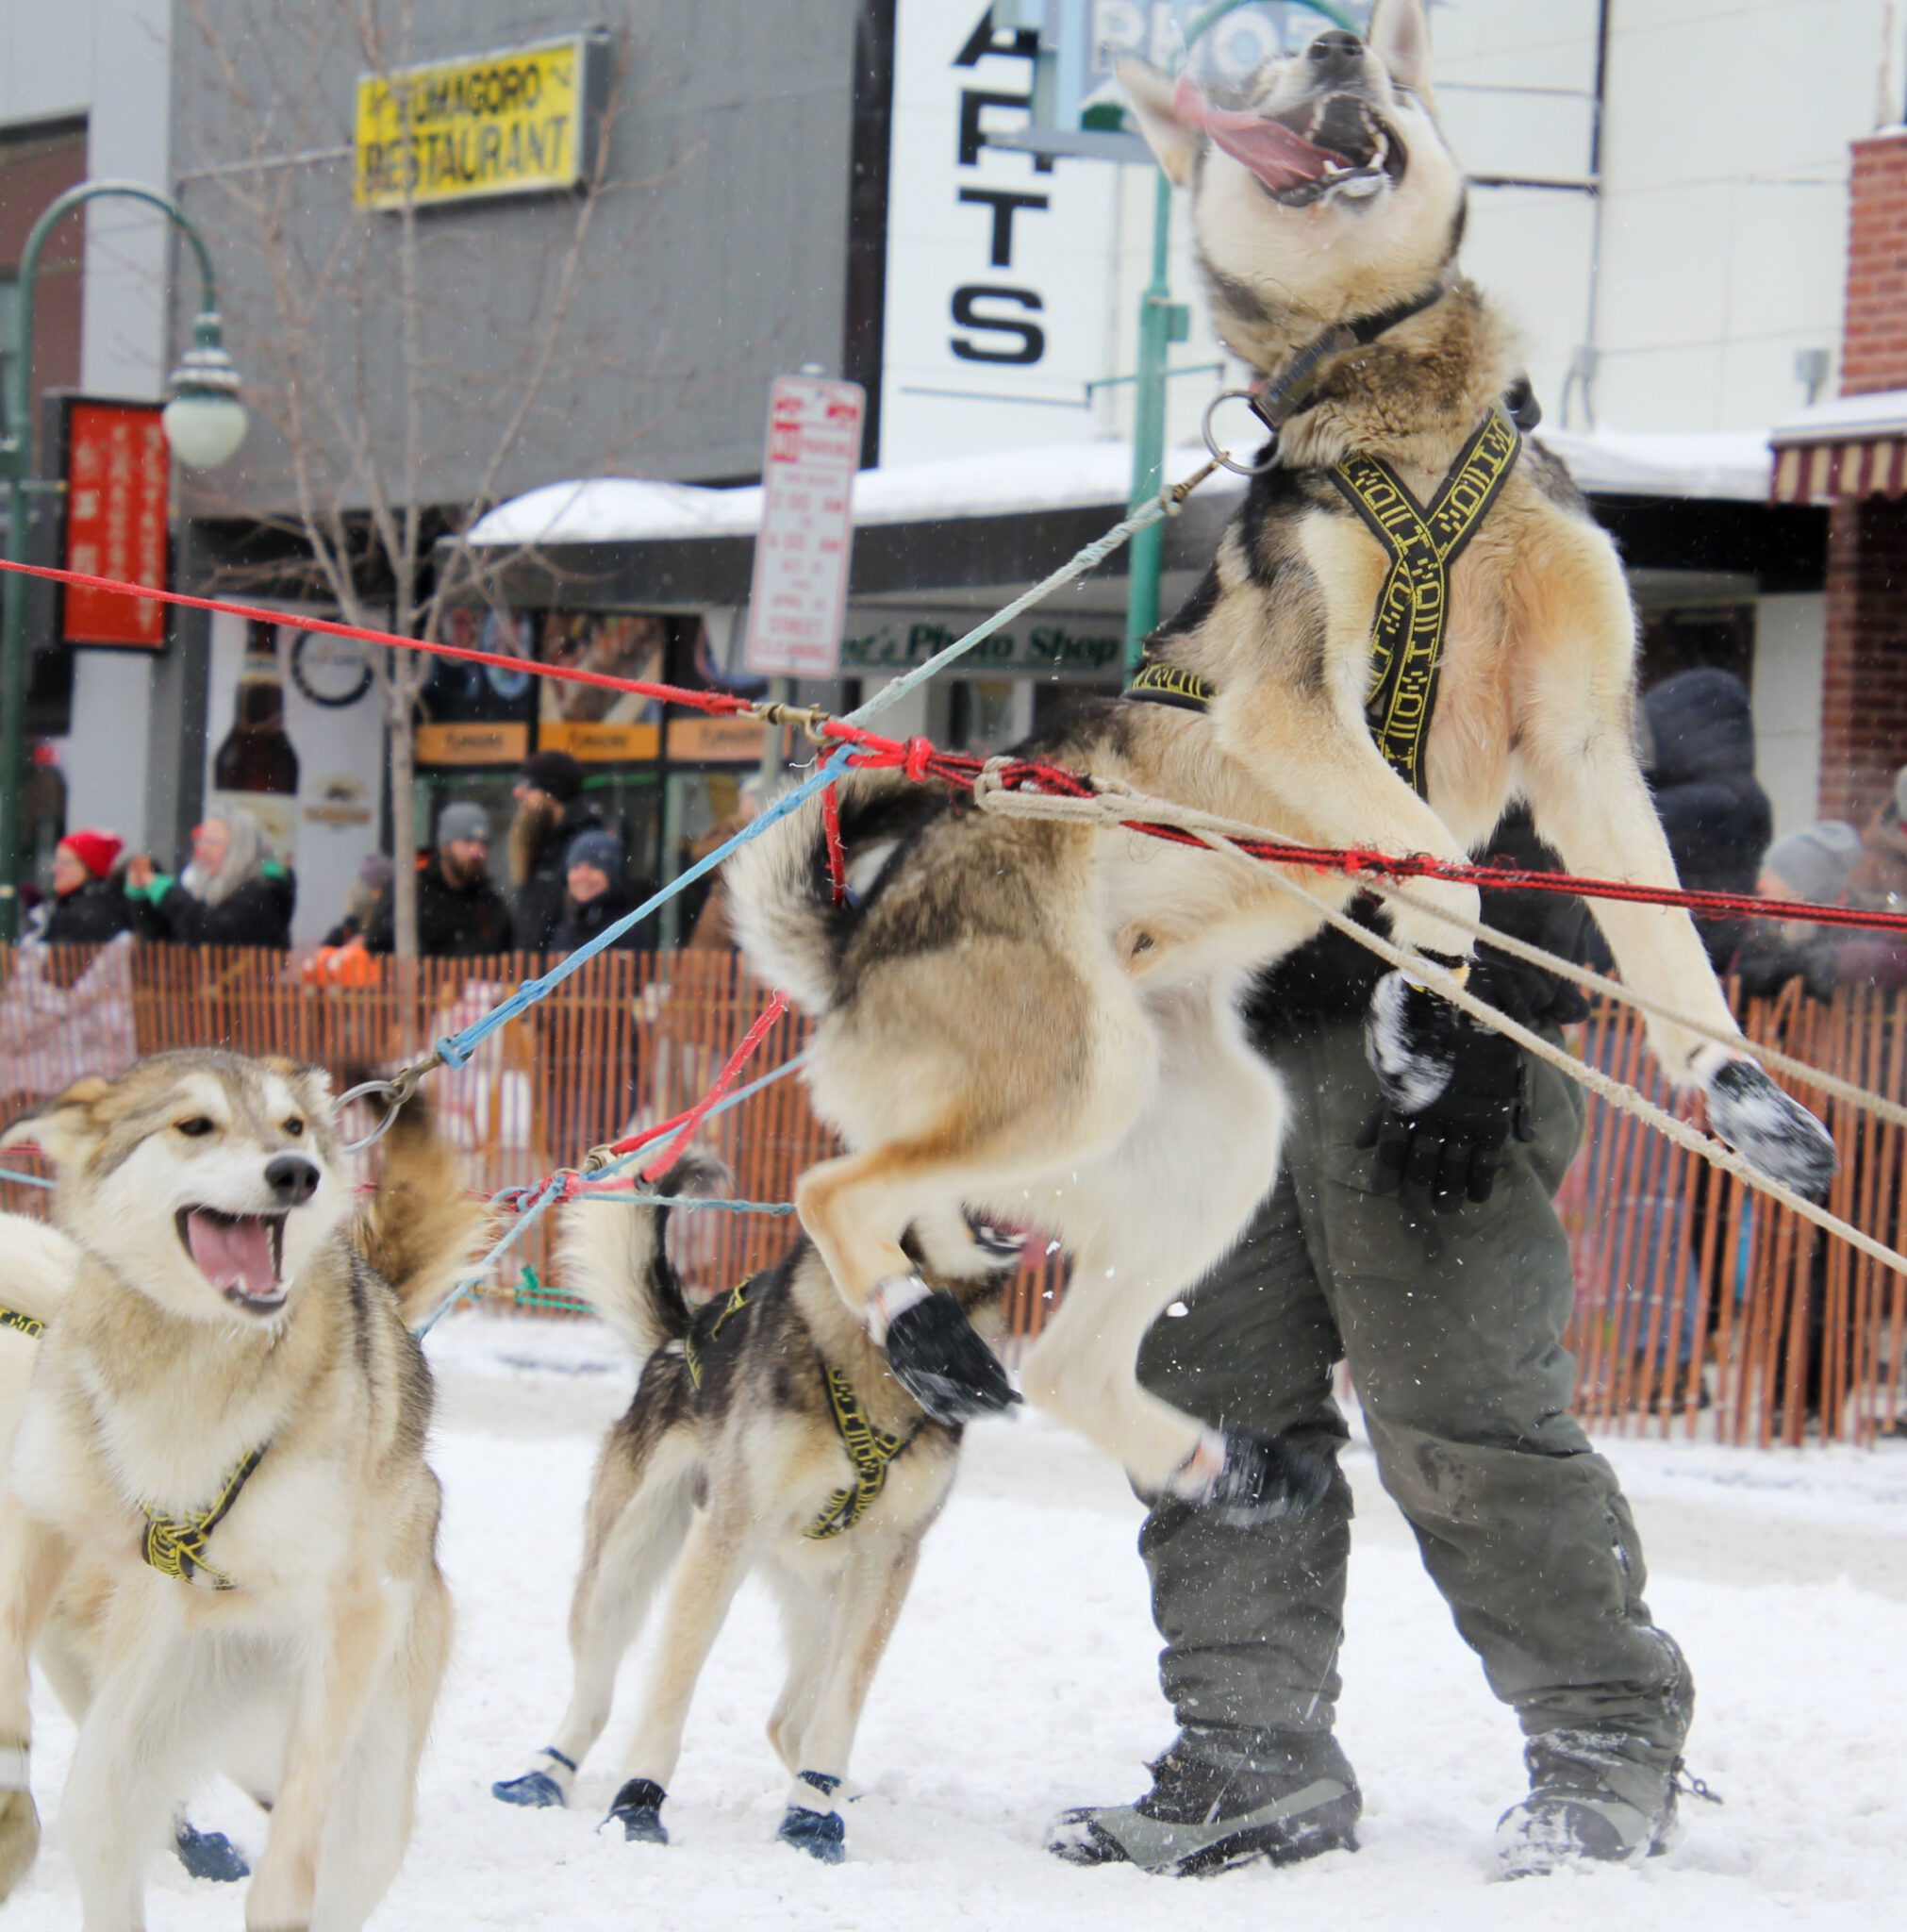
1222 456
391 1091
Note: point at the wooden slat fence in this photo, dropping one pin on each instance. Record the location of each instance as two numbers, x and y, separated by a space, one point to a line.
1700 1308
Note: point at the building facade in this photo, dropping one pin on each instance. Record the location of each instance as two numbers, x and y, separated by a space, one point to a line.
1660 198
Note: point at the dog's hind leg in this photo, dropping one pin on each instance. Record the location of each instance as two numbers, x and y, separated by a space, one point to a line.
1144 1225
1064 1094
714 1561
633 1537
868 1602
369 1825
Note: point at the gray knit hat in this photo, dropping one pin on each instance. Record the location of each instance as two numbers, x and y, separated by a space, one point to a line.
596 847
1814 863
462 821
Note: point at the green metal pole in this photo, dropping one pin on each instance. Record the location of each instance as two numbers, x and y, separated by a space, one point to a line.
16 464
1159 323
1149 429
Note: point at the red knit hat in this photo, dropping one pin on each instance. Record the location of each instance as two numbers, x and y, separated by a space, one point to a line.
95 851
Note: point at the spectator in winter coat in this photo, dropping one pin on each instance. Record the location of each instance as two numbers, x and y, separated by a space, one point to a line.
88 906
1815 864
596 894
1717 818
550 814
459 913
233 893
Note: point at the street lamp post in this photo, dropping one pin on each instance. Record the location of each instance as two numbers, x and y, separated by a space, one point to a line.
204 421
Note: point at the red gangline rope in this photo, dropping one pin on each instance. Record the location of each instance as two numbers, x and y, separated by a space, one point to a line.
920 759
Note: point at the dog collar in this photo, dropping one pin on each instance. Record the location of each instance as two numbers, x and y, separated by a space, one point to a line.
1276 400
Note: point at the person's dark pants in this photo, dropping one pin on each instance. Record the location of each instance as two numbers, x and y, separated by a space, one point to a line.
1453 1327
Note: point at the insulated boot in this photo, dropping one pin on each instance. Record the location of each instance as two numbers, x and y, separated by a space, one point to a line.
1602 1797
1289 1796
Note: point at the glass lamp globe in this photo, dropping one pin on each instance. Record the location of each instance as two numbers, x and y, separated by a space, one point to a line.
204 421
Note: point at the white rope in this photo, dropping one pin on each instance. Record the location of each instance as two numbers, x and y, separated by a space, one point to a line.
1217 835
1166 503
1204 825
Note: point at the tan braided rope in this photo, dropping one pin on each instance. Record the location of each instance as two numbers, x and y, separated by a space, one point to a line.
1218 837
1204 825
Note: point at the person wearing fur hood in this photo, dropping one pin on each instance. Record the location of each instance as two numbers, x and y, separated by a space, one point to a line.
233 893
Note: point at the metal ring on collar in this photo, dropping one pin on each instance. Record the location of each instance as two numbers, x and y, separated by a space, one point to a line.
1222 456
392 1090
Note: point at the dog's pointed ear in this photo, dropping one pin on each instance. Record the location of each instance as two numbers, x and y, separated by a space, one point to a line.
63 1128
1399 37
1152 96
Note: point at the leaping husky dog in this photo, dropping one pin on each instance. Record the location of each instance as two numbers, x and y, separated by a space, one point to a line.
1041 1018
218 1506
766 1430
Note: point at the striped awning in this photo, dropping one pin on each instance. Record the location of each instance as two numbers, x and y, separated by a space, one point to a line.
1854 446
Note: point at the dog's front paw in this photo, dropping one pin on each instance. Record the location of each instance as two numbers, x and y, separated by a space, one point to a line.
1261 1478
939 1359
19 1837
1771 1130
1410 1038
637 1808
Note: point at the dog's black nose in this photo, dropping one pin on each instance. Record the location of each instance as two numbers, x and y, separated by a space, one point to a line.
1336 54
291 1178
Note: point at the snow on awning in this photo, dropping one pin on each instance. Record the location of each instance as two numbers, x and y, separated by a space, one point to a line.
1853 446
1729 465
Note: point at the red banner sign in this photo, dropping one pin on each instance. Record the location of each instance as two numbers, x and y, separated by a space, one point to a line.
117 474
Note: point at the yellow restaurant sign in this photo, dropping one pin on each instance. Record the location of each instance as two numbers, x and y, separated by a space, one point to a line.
513 123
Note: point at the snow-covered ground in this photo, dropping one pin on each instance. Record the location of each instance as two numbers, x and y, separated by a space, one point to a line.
1022 1679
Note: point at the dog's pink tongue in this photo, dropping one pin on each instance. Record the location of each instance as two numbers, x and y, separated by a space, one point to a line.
234 1254
1279 158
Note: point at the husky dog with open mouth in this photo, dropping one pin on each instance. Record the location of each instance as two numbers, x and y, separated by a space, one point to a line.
1412 622
766 1432
217 1509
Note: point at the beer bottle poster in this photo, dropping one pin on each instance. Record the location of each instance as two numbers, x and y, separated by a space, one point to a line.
295 735
586 720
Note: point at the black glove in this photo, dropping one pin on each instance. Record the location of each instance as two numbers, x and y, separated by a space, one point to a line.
1449 1151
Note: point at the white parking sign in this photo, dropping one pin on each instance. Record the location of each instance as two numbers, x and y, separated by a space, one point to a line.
800 592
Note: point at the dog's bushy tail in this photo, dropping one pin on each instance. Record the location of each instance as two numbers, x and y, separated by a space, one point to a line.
420 1230
781 894
613 1254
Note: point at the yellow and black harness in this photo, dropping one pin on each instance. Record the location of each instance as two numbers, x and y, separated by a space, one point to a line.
870 1450
175 1545
738 1300
1413 606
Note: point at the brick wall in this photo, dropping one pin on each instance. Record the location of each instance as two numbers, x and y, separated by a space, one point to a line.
1863 687
1874 339
1863 693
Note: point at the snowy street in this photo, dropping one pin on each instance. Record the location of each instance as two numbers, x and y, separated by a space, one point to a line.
1022 1679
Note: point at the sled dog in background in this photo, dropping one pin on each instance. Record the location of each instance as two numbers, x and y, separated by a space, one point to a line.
1040 1019
218 1508
766 1432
